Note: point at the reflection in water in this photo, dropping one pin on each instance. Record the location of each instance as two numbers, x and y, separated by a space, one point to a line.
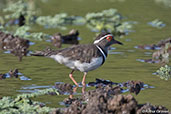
70 90
75 91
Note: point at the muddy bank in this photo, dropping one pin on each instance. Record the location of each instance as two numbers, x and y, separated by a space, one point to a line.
106 100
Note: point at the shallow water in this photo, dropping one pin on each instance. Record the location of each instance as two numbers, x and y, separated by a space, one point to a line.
120 66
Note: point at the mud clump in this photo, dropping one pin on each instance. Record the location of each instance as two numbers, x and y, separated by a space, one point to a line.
11 74
122 104
64 88
14 44
71 38
161 56
2 76
149 108
134 86
106 100
160 44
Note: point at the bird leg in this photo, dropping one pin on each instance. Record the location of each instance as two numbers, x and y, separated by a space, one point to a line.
70 75
74 90
84 77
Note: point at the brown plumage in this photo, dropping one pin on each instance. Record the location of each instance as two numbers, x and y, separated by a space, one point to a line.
85 57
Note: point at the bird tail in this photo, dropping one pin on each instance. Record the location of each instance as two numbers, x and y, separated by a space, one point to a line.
46 52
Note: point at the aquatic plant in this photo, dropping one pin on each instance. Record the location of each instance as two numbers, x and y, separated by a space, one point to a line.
2 29
1 20
107 20
164 72
19 8
157 23
23 32
22 104
59 21
165 2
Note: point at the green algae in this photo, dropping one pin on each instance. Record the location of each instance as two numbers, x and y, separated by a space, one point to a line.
22 104
164 72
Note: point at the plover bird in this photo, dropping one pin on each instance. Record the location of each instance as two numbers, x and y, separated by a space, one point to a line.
85 57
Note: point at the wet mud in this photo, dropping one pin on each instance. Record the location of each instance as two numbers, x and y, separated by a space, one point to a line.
106 99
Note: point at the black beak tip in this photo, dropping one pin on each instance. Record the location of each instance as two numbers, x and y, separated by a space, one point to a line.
117 42
121 43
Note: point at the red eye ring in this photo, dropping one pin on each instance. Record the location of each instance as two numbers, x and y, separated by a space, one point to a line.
109 38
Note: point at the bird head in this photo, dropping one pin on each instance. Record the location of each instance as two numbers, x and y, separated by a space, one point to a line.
106 40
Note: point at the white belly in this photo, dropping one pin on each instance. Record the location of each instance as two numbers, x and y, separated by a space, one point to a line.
83 67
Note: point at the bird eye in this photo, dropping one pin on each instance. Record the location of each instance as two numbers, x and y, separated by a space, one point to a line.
109 38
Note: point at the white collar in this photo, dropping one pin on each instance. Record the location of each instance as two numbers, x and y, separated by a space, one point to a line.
97 41
101 52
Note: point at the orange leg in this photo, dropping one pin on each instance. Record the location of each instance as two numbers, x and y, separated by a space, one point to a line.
83 80
74 90
70 75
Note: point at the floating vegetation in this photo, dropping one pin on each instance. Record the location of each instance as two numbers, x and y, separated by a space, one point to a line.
23 11
109 21
22 104
106 20
1 20
165 2
24 14
59 21
23 32
16 45
157 23
164 72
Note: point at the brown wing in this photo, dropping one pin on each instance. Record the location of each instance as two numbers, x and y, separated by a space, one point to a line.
84 53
